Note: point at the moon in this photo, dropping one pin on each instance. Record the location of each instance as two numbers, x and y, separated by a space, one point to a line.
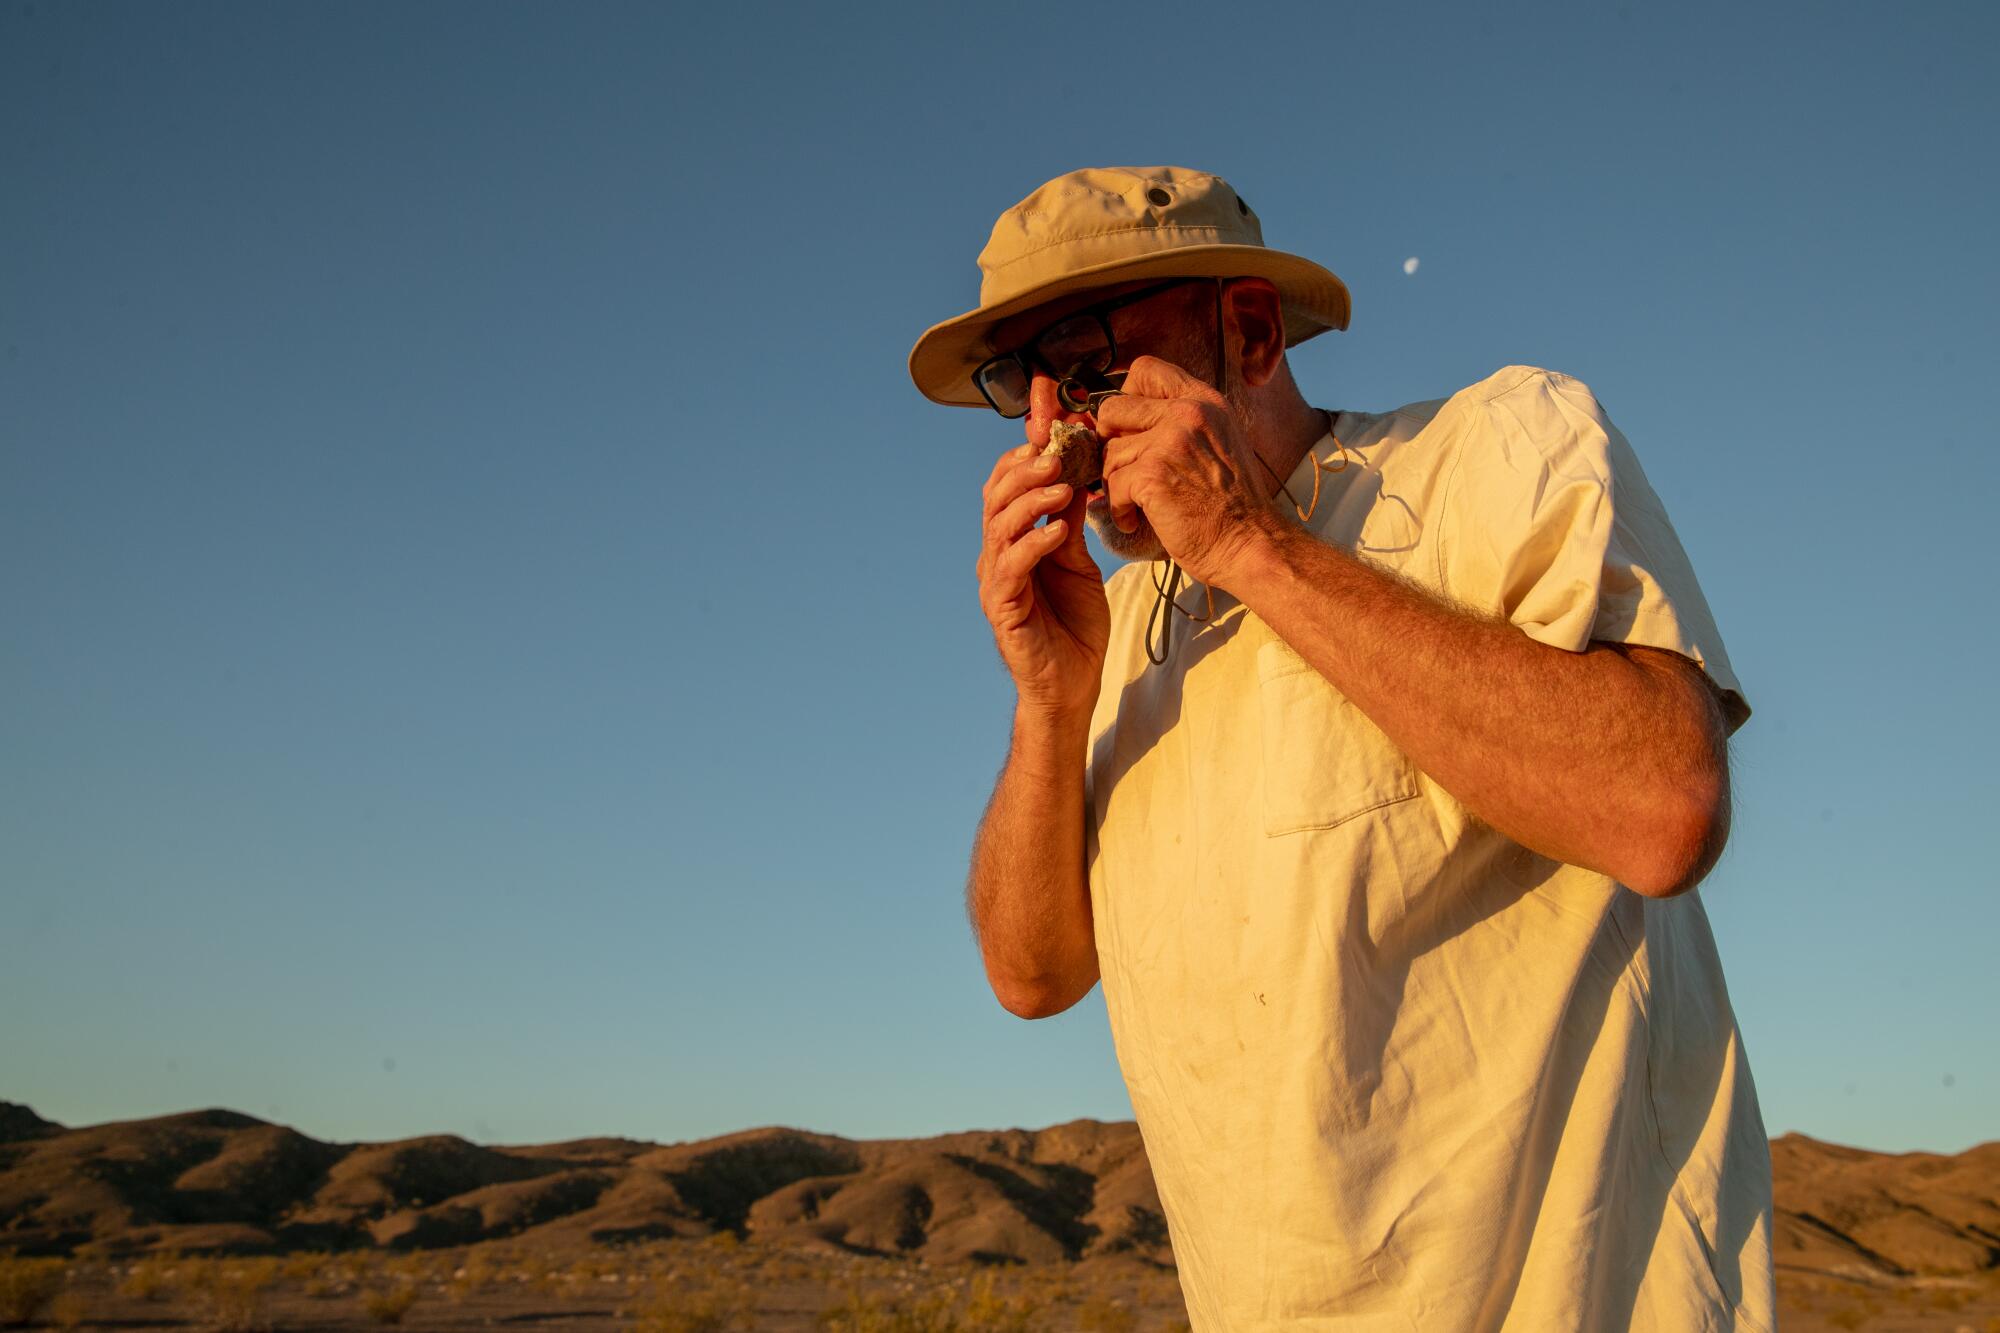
1410 264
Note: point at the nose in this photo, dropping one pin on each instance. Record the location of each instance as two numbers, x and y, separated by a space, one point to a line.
1047 402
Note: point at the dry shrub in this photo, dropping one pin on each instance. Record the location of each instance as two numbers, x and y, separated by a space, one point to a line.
151 1279
353 1267
232 1294
535 1273
988 1310
388 1305
413 1268
27 1286
1056 1285
301 1266
1100 1314
595 1267
859 1312
1946 1299
711 1306
474 1275
806 1270
69 1310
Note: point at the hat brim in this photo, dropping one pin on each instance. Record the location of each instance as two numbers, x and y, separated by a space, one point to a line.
1314 301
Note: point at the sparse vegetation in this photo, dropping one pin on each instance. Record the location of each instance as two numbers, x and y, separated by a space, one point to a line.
989 1309
1025 1232
475 1275
301 1267
699 1286
68 1310
388 1304
27 1286
150 1279
863 1313
231 1294
1022 1301
1101 1315
697 1306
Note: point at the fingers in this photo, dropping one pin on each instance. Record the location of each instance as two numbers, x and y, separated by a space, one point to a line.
1007 526
1019 491
1005 577
1071 553
1008 574
1120 491
1044 409
1125 457
1170 416
1022 476
1018 454
1128 414
1151 377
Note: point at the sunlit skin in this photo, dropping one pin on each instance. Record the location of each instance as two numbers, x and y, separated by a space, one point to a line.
1178 326
1613 758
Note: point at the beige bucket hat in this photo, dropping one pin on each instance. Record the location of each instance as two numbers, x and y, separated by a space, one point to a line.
1105 225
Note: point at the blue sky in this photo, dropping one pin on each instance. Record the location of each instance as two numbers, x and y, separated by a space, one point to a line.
492 644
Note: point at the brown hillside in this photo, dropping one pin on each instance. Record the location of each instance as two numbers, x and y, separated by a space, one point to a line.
218 1181
18 1122
1858 1213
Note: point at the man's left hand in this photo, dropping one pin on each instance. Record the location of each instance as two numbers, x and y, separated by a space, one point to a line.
1174 448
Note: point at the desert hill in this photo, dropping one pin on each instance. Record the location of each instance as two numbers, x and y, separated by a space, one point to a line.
1860 1213
220 1181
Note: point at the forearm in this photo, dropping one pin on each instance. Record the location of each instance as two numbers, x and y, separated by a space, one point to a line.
1588 758
1027 894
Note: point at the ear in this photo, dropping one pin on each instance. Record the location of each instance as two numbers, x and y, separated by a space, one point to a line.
1255 320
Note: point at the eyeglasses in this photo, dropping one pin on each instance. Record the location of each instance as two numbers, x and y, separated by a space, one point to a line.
1079 345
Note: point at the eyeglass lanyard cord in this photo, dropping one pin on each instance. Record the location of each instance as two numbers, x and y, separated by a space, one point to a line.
1168 589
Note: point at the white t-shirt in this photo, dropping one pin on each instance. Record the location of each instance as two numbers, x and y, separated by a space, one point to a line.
1395 1071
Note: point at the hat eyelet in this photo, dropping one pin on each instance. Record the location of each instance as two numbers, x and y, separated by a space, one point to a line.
1158 198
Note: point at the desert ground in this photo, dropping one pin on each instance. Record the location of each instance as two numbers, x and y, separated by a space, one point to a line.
217 1220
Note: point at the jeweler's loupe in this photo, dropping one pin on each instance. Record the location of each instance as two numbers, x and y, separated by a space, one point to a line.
1083 388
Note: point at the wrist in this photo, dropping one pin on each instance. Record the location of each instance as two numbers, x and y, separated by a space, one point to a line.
1260 554
1051 726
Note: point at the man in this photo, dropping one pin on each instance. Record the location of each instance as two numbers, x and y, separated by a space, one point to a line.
1382 834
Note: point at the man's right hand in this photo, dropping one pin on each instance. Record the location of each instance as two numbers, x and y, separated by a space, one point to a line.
1040 590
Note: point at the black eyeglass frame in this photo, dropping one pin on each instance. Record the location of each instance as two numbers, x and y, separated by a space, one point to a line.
1027 358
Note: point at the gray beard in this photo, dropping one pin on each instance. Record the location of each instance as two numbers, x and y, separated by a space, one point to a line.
1141 544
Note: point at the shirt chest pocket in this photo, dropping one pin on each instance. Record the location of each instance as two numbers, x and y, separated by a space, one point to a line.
1324 761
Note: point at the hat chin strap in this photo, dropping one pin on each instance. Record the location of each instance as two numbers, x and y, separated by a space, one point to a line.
1160 624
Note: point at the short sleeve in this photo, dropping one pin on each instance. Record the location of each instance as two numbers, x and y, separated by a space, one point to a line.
1550 523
